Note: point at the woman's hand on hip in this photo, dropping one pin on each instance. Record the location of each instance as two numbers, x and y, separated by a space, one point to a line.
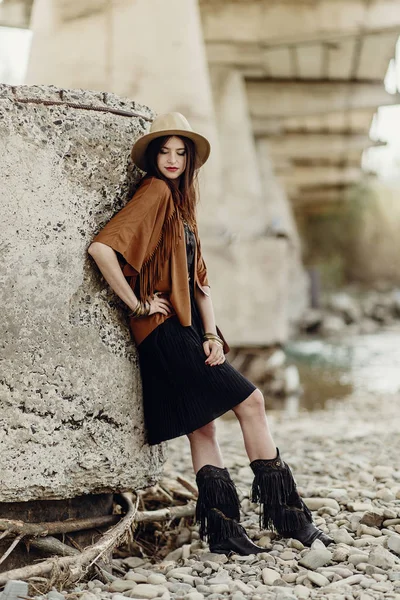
214 351
160 304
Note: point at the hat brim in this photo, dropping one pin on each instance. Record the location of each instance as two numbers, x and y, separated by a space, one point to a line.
138 152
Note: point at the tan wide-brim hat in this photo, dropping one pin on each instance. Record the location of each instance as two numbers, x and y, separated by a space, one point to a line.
173 123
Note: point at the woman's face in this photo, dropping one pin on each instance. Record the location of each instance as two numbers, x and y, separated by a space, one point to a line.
171 160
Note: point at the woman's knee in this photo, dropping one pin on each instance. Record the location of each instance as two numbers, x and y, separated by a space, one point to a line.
206 432
253 405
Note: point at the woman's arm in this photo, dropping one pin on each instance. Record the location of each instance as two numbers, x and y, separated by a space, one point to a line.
212 349
206 310
107 261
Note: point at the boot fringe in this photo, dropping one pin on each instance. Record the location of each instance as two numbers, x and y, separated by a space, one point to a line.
274 488
217 527
283 519
216 490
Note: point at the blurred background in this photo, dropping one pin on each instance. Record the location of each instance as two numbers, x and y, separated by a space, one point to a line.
301 198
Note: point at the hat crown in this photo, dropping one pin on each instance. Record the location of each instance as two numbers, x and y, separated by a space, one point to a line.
172 123
168 121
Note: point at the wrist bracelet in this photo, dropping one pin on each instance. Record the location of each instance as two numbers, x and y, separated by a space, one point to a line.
141 310
214 337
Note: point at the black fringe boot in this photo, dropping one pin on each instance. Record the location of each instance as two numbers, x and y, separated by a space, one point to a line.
282 509
218 513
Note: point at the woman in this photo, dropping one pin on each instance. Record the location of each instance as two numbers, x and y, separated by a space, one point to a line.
150 255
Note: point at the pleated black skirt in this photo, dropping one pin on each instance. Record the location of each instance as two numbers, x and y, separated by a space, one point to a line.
180 392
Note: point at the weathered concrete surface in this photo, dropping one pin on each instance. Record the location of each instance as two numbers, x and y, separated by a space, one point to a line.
71 417
256 314
259 249
163 65
282 225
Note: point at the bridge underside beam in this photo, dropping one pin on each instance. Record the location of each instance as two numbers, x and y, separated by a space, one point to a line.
339 122
314 146
277 100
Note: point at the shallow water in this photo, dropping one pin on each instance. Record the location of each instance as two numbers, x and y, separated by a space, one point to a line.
335 368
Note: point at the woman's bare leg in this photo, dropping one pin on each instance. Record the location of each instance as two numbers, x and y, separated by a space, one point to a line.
253 422
204 447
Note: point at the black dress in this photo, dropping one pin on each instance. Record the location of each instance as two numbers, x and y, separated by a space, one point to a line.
180 392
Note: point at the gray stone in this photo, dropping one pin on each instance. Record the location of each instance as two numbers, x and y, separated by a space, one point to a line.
344 305
357 558
332 324
179 572
65 170
372 531
213 557
194 596
380 557
353 579
269 576
318 579
138 577
317 503
53 595
342 536
156 579
383 471
221 577
88 596
146 590
132 561
238 585
15 589
393 544
295 544
359 506
301 591
219 588
316 558
182 588
338 494
174 555
311 319
121 585
237 596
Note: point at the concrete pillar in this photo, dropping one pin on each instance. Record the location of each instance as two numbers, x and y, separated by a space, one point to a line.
244 206
258 259
70 388
150 51
282 224
279 210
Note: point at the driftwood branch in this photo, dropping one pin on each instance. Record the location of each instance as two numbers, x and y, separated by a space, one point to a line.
166 514
188 485
50 528
78 564
52 545
11 548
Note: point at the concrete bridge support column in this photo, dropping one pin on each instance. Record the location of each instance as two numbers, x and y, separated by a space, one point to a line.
70 388
256 310
151 51
282 225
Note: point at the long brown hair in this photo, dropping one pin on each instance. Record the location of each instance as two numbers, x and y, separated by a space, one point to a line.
185 195
185 188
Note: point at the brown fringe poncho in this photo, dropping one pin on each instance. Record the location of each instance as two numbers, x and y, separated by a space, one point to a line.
149 236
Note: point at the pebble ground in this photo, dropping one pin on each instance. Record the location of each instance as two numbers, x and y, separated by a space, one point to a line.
346 461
